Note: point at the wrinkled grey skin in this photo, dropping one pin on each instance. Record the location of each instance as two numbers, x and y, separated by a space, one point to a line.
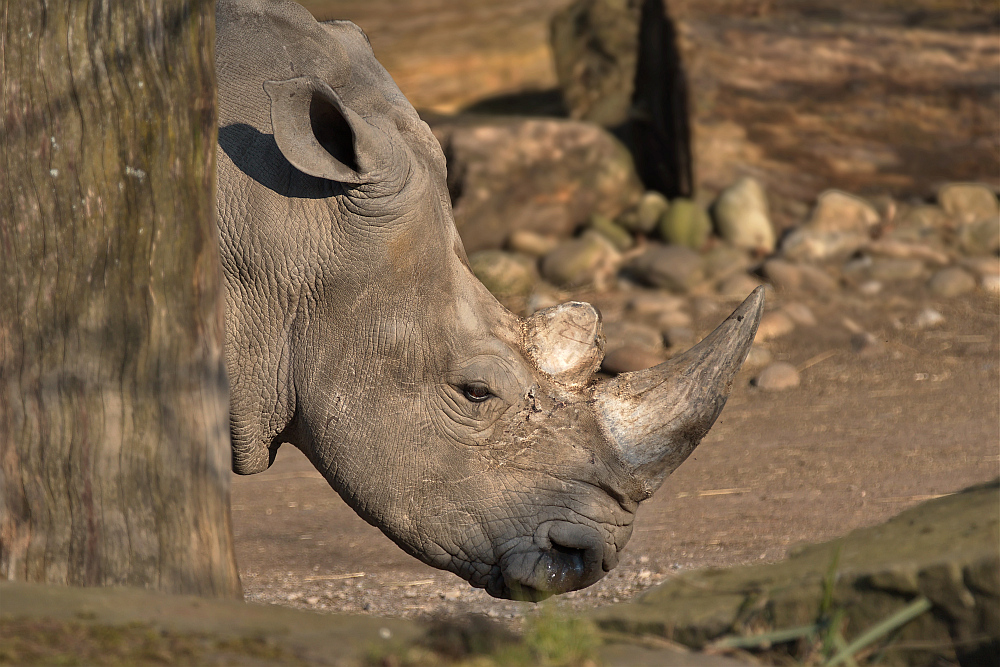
356 331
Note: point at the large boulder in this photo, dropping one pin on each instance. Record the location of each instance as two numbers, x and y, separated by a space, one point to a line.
544 175
618 65
595 44
939 560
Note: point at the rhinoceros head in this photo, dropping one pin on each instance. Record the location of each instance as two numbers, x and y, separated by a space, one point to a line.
478 441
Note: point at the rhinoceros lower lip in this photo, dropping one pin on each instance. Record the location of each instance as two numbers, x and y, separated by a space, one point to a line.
572 557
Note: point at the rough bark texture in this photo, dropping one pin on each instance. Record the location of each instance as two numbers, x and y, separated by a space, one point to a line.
113 396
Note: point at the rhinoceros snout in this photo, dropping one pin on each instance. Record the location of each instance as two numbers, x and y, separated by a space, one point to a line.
563 557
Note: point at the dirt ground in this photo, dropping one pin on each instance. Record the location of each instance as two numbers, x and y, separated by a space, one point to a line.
864 436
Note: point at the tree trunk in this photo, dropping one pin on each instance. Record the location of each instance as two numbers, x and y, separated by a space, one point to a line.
113 395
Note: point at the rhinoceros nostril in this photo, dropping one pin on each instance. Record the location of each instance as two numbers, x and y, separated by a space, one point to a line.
577 555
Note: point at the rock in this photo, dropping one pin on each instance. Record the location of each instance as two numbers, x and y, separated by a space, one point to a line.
837 211
777 376
968 203
685 223
543 297
544 175
622 333
906 250
654 303
943 550
887 269
981 237
784 275
870 287
737 286
618 65
982 266
595 50
991 283
810 245
758 357
925 224
817 280
504 273
629 358
742 217
532 243
678 337
867 344
673 267
773 324
651 208
587 260
800 314
839 225
618 235
674 319
723 261
927 318
951 282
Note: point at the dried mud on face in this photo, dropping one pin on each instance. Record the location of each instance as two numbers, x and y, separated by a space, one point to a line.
861 439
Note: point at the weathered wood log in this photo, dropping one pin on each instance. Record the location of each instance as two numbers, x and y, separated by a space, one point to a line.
114 445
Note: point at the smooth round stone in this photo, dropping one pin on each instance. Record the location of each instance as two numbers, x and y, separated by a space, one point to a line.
738 286
927 318
504 273
651 208
677 337
817 280
785 276
951 282
870 287
800 314
866 344
774 325
742 217
889 269
621 334
778 376
674 319
531 243
758 357
725 260
991 283
579 261
673 267
981 237
968 202
628 359
837 211
654 303
685 223
618 235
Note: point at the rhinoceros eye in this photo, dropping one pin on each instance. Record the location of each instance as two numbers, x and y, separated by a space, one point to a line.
477 392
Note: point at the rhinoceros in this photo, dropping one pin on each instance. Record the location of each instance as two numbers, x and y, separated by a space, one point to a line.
479 442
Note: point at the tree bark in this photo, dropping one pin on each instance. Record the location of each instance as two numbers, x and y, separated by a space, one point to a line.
114 467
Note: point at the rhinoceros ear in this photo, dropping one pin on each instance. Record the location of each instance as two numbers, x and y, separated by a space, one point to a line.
316 131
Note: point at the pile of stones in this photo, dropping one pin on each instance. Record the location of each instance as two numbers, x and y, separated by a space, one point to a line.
668 258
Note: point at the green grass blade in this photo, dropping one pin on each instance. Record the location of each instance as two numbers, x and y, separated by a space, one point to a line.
899 619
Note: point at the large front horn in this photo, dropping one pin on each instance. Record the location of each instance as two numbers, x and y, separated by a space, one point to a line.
656 417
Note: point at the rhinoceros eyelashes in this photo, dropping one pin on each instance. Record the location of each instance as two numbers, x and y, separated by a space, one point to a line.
477 392
316 132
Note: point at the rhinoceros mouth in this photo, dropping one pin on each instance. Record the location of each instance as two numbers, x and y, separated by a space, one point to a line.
567 557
